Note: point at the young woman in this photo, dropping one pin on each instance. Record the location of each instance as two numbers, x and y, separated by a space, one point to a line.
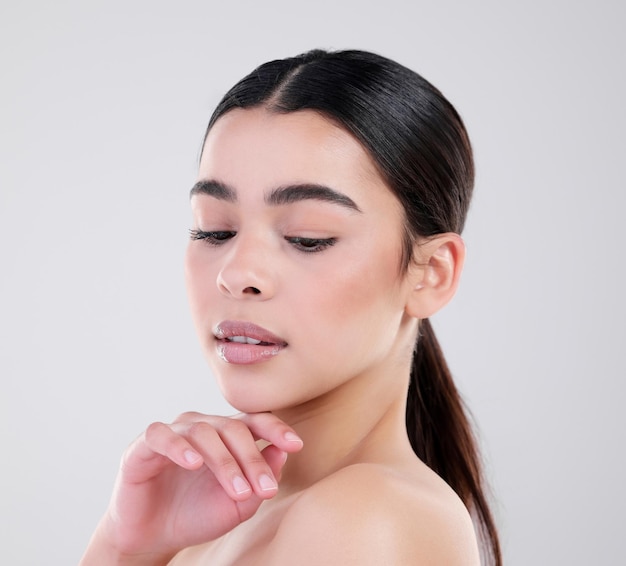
331 193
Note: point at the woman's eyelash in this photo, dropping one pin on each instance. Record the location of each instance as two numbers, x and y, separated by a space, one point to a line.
306 245
311 245
214 238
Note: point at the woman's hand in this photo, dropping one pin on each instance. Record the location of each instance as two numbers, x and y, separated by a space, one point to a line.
190 482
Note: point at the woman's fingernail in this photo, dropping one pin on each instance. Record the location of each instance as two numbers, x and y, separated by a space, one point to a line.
192 457
267 483
292 437
240 485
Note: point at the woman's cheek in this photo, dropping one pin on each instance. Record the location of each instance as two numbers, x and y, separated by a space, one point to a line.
200 286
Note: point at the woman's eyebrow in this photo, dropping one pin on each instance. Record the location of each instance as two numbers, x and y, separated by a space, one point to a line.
214 189
282 195
306 191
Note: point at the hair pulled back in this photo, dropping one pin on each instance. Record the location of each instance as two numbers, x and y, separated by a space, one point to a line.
422 150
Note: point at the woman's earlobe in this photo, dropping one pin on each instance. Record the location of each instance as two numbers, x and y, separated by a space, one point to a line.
439 262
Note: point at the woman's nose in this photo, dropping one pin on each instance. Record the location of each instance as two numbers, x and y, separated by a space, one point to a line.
246 271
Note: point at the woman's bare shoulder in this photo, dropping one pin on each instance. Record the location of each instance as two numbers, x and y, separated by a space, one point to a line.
370 514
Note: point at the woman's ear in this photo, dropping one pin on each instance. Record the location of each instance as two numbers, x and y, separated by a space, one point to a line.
434 274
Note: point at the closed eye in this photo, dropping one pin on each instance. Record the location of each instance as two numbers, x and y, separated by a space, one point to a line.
306 245
214 238
310 245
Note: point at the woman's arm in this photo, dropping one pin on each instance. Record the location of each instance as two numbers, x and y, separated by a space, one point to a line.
102 551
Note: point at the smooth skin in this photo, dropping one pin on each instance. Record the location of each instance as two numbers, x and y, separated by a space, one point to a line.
317 468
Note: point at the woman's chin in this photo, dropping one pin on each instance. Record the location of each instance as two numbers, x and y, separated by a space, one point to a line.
247 402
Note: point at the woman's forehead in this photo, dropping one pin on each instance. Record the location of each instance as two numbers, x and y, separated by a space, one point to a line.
257 154
303 144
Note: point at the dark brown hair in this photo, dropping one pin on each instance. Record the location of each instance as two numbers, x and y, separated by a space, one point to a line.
421 147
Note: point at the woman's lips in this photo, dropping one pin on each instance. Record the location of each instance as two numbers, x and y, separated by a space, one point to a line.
241 342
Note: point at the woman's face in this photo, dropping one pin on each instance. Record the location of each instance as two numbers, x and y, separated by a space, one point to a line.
293 268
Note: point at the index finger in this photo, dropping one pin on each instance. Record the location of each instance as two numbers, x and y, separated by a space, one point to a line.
268 427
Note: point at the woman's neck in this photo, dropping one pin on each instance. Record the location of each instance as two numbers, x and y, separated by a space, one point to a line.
353 424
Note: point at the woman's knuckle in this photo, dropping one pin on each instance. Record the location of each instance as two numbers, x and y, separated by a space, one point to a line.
199 430
154 429
256 460
233 427
186 417
226 464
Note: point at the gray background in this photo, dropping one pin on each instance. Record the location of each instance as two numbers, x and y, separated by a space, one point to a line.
102 110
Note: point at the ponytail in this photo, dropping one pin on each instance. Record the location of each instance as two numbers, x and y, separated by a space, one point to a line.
441 435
